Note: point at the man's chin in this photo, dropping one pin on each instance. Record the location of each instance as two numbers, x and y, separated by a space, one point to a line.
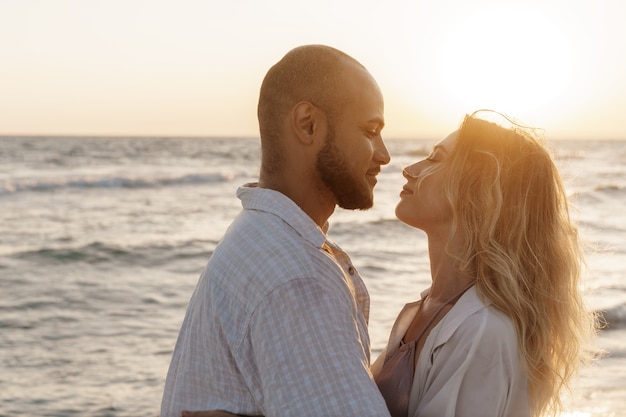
363 203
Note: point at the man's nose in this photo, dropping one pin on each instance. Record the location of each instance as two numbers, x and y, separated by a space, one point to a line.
381 153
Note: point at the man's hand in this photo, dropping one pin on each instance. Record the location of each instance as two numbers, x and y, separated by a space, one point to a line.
213 413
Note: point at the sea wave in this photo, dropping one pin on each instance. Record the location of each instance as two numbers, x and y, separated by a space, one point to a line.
600 194
614 317
107 253
611 189
16 185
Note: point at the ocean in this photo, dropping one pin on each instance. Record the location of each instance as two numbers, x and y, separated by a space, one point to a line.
102 241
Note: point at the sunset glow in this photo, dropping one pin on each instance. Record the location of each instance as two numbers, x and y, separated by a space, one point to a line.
161 67
488 60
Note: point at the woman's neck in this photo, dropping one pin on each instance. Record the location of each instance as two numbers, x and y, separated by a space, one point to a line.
447 279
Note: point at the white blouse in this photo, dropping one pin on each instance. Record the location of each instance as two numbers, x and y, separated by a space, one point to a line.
469 365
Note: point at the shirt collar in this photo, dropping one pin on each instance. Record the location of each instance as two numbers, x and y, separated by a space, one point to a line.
468 304
254 197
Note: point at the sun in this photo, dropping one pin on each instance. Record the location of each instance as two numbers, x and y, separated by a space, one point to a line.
510 59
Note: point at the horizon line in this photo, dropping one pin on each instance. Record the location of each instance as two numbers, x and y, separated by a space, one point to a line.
231 136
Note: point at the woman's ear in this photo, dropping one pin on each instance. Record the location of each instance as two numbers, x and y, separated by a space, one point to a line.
308 122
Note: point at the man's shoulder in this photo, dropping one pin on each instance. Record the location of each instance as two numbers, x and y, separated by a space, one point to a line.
261 243
289 227
261 252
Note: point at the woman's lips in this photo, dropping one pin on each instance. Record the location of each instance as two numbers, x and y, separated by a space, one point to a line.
406 191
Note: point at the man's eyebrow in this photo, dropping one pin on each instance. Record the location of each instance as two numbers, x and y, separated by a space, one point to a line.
380 122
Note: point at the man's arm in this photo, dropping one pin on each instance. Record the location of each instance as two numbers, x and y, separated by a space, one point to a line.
311 357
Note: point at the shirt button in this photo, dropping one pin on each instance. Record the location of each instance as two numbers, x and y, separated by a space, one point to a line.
351 270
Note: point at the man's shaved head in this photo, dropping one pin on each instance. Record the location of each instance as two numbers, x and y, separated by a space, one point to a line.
312 73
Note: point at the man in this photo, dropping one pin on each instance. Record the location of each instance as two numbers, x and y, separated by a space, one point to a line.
277 325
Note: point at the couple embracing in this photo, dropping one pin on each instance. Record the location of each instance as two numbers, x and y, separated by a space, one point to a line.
277 324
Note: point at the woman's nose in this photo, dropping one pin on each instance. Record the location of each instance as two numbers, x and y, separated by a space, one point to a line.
410 171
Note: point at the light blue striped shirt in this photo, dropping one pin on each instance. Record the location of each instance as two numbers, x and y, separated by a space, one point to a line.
277 325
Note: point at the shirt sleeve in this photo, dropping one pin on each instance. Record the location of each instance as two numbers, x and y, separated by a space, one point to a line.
476 373
310 357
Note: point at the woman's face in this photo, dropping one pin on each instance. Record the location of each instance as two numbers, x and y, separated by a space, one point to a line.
426 207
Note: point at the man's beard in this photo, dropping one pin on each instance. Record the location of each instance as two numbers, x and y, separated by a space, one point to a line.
350 191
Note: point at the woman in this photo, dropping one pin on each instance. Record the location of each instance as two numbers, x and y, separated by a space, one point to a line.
503 327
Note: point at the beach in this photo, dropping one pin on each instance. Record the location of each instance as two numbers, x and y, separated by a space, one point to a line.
103 240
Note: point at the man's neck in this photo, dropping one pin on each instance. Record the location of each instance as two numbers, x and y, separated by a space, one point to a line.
318 205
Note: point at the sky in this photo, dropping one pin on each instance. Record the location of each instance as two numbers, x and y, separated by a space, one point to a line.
194 67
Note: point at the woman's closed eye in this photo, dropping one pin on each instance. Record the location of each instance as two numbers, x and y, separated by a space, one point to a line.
437 154
433 157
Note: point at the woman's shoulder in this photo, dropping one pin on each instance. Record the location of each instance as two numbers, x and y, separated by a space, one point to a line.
493 326
474 318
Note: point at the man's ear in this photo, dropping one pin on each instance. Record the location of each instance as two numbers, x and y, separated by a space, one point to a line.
308 122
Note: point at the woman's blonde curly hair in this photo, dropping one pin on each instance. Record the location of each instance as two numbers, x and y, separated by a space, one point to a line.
511 210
